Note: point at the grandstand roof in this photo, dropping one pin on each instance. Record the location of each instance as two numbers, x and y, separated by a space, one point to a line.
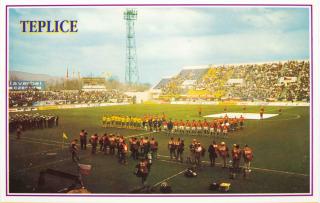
162 83
195 67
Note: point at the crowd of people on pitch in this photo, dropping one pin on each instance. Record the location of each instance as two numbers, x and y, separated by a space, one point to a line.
22 122
197 151
115 144
32 97
220 126
146 149
255 81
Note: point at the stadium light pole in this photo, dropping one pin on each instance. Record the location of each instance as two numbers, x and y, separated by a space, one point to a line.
132 73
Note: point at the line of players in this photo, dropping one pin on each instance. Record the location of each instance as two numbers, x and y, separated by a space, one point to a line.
120 121
219 126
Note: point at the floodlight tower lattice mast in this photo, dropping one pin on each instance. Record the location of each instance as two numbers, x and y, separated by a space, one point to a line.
132 73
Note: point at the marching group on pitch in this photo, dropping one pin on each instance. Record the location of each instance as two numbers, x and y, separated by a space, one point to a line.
145 150
22 122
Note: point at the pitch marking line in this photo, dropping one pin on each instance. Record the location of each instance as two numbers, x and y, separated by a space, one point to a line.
39 139
158 183
256 168
297 116
139 134
33 141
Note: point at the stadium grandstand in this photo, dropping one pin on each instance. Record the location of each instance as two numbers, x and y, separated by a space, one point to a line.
43 98
163 82
182 82
272 81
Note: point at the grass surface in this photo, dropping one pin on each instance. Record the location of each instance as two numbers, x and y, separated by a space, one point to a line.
280 144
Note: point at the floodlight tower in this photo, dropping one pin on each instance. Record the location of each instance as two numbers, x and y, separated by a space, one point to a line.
132 73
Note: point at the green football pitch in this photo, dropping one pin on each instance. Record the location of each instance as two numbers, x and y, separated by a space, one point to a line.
280 144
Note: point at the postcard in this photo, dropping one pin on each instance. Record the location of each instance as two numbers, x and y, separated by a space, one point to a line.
174 100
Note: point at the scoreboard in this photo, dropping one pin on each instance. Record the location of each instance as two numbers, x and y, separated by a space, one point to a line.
93 81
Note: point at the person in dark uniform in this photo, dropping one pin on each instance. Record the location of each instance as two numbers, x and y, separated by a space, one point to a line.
101 143
123 152
199 111
212 150
74 151
170 126
117 144
172 148
134 148
19 132
155 124
83 139
106 144
225 109
146 146
180 149
143 170
154 148
150 122
94 143
112 144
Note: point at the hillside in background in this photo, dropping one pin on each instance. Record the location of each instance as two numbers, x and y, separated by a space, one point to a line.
20 75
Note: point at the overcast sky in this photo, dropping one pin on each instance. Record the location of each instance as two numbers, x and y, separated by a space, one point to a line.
167 39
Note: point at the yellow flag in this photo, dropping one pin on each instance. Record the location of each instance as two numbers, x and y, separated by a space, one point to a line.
64 135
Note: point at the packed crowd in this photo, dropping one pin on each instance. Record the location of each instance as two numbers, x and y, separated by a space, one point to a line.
173 86
156 123
258 81
29 98
299 90
21 122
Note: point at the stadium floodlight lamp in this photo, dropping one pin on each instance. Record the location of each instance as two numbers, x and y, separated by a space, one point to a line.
130 14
